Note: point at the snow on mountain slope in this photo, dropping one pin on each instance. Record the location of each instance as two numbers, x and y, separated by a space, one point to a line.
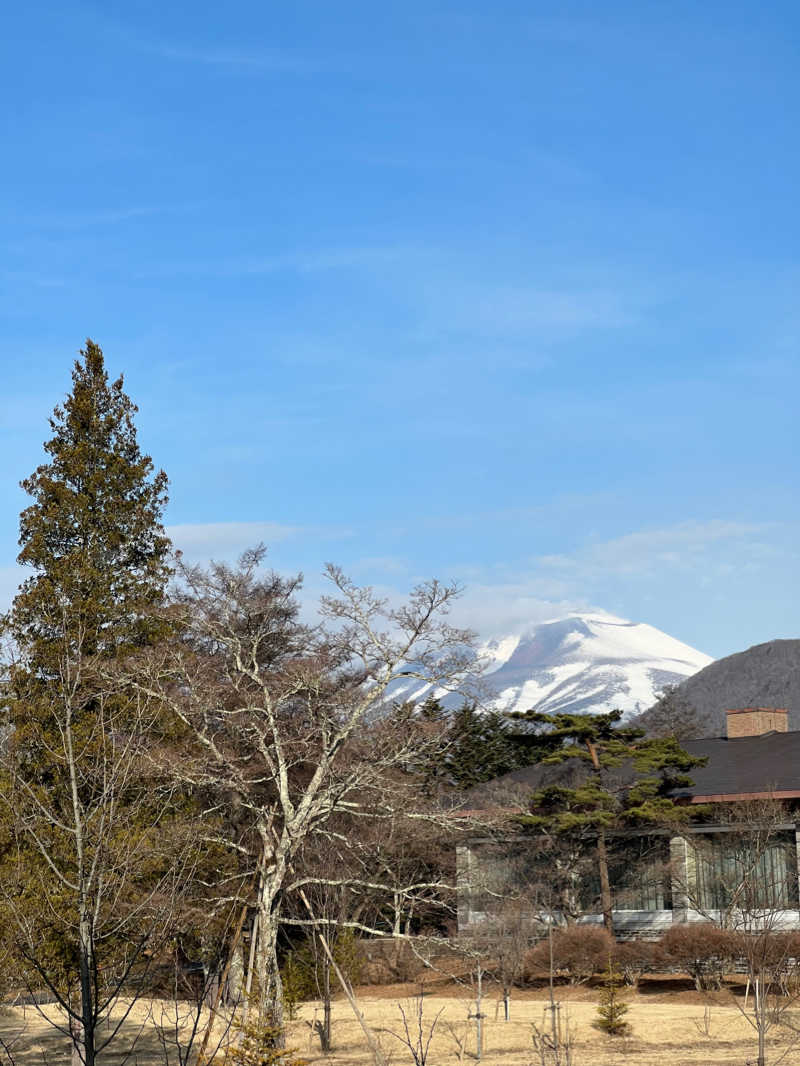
588 662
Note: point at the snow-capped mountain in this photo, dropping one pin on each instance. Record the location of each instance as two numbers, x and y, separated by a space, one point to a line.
588 662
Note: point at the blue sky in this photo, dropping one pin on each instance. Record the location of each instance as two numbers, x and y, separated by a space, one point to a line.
499 292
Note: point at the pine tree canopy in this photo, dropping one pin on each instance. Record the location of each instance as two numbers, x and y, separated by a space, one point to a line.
627 780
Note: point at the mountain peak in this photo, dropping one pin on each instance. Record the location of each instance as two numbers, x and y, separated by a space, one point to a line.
582 662
587 661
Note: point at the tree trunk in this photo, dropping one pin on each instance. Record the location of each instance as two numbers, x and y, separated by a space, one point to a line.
605 882
602 856
251 962
325 1031
85 1038
218 985
761 1020
479 1015
379 1058
270 986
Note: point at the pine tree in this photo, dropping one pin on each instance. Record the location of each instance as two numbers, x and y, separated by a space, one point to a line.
82 817
621 780
479 747
611 1010
259 1044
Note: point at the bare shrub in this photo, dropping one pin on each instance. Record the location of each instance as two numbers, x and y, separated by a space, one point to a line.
554 1040
635 958
579 952
704 1027
775 952
459 1036
417 1031
502 944
703 950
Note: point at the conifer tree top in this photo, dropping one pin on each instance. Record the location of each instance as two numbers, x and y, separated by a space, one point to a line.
94 533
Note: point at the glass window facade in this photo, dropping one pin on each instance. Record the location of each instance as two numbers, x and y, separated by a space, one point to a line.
722 871
745 872
640 874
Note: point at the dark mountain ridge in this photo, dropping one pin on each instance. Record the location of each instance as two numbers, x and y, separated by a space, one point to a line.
766 675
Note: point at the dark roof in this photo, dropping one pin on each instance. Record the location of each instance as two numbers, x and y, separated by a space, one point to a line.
513 789
766 766
747 767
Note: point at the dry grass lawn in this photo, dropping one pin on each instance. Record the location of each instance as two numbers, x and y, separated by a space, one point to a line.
667 1027
672 1033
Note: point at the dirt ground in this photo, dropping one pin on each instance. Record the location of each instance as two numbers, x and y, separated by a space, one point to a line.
677 1026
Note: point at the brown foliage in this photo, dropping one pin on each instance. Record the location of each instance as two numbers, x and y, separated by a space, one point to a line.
703 950
579 952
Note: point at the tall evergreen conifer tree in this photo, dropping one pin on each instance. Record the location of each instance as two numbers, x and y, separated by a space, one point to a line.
478 746
94 533
80 813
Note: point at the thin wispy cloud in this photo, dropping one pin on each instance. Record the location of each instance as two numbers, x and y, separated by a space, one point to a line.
515 309
32 277
222 540
201 541
108 216
687 555
382 564
242 55
686 546
241 58
495 610
585 297
568 31
445 298
543 29
536 161
299 261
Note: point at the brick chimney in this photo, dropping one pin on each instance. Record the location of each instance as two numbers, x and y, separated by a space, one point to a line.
754 721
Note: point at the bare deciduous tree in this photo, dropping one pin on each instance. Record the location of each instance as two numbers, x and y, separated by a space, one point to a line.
290 722
507 937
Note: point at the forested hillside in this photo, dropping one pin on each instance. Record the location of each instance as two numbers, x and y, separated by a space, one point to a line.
766 675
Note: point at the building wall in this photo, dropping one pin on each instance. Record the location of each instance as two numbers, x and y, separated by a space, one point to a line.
703 871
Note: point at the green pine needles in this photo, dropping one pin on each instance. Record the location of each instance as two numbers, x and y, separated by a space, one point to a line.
260 1044
478 746
93 535
611 1010
613 780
